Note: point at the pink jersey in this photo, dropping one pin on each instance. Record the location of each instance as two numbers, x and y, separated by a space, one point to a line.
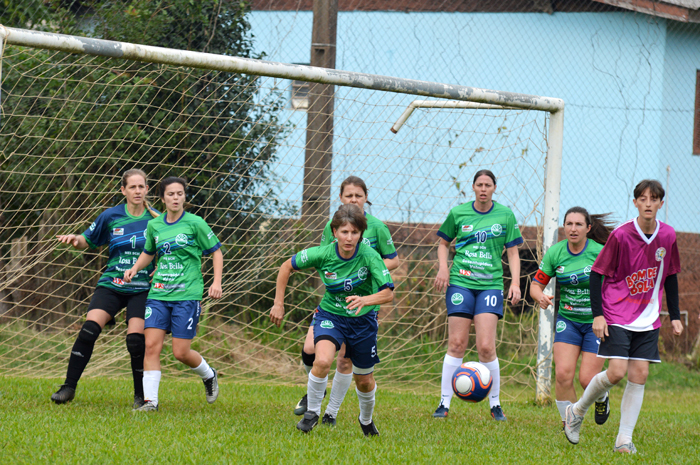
635 269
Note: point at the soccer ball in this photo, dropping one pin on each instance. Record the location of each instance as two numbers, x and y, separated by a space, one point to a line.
471 382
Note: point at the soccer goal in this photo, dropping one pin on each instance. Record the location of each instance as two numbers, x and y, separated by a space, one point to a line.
77 112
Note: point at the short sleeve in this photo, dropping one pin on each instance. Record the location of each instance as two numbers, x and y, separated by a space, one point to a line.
98 232
327 236
385 244
547 268
513 236
447 229
607 261
380 274
206 239
150 245
308 258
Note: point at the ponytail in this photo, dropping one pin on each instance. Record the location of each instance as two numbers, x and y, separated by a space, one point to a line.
601 225
154 213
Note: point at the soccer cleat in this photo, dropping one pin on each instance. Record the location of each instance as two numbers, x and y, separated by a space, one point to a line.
497 413
211 388
328 419
441 411
369 430
64 394
602 411
138 402
303 405
307 423
147 406
572 425
626 448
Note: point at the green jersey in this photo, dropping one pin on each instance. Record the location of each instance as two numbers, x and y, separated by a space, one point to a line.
376 236
480 238
362 274
572 272
180 246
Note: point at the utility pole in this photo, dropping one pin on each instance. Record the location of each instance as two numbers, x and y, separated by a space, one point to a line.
319 128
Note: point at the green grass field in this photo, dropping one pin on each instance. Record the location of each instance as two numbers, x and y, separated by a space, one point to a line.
254 424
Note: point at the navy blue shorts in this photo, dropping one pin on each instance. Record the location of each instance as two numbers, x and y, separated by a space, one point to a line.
466 303
179 317
359 334
576 334
630 345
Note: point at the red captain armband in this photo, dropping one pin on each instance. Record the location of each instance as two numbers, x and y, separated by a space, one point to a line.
542 278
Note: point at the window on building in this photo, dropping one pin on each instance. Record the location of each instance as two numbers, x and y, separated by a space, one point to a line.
696 117
300 95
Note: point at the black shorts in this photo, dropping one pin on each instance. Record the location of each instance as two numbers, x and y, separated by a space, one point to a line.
630 345
112 302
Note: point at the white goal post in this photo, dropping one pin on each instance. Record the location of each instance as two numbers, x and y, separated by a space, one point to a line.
453 96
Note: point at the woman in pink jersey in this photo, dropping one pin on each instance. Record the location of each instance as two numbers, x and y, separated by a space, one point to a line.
639 260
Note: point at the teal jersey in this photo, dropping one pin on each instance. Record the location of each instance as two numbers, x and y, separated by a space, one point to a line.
362 274
572 273
480 238
376 236
126 236
180 247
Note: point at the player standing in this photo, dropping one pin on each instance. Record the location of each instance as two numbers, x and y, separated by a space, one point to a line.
570 261
639 260
353 190
122 227
357 282
475 282
180 239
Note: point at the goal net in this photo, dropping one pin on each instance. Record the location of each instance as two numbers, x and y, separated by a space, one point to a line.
72 124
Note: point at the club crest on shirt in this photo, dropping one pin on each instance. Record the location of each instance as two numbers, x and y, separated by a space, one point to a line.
587 270
362 273
467 228
366 241
330 275
660 254
181 240
120 232
496 229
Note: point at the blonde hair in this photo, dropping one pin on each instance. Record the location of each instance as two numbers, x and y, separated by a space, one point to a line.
137 172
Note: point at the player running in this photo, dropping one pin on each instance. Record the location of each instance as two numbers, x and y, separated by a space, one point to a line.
180 239
353 190
570 261
475 282
639 260
357 281
122 227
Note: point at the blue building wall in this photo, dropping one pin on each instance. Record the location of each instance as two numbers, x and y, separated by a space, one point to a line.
628 81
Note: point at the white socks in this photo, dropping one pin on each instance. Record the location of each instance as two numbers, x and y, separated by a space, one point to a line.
561 405
151 381
449 366
494 394
341 384
204 370
629 412
366 405
598 387
314 393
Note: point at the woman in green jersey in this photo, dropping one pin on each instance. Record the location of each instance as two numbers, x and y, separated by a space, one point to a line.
570 261
357 282
474 283
180 239
122 228
353 190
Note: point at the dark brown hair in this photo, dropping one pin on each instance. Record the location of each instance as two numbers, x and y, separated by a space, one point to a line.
484 173
654 186
171 180
350 214
601 225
